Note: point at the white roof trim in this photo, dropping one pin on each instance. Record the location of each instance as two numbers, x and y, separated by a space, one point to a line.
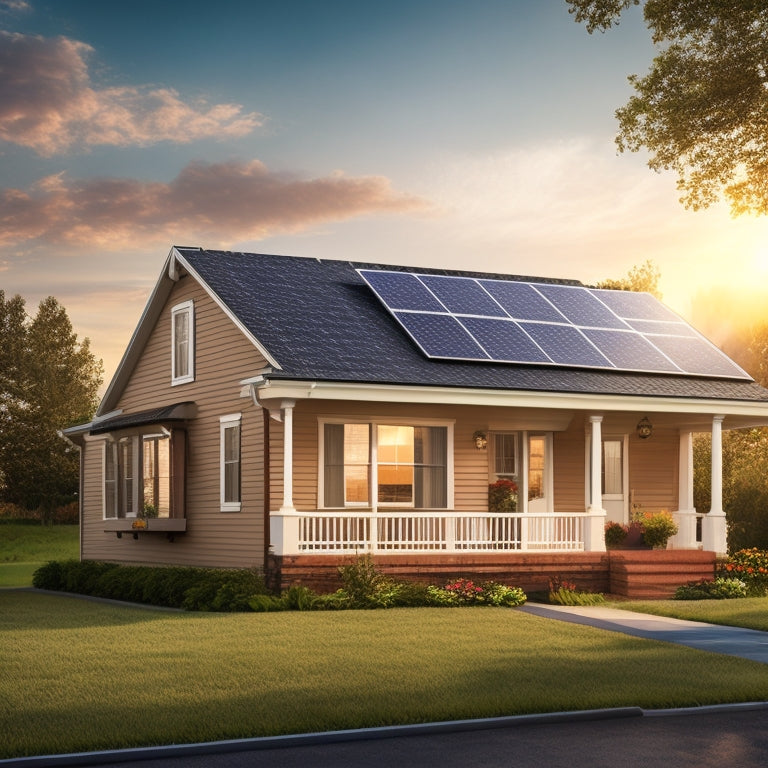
177 257
149 317
750 413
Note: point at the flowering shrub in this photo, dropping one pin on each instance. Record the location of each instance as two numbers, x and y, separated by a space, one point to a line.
467 592
657 527
502 496
721 588
751 566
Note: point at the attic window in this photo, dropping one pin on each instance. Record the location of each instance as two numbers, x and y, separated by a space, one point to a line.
183 343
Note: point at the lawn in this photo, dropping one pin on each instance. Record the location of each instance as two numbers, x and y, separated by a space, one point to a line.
750 612
79 675
24 548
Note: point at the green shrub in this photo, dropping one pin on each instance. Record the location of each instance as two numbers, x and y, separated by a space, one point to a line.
466 592
49 576
722 588
615 534
564 592
366 586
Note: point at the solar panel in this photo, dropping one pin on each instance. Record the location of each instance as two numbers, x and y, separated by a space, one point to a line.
457 317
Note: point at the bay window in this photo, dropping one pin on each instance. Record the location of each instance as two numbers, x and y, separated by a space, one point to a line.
143 475
373 464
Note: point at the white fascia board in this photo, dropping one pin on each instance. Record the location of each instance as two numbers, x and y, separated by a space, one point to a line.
178 258
752 413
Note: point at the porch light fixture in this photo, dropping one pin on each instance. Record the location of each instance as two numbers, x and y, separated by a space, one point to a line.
481 441
644 428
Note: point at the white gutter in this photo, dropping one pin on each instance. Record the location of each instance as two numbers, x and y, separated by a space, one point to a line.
754 413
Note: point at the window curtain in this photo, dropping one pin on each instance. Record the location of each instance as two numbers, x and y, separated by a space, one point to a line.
333 447
431 467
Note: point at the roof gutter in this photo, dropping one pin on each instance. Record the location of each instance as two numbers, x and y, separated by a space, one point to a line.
269 391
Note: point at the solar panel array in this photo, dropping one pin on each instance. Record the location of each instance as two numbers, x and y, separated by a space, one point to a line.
506 321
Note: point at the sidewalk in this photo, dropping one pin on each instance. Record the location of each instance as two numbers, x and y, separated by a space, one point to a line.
733 641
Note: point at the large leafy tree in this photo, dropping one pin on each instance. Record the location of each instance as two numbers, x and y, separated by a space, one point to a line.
702 109
48 380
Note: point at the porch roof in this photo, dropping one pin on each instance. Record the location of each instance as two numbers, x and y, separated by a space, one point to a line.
318 321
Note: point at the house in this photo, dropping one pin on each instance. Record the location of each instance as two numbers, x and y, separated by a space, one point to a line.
289 413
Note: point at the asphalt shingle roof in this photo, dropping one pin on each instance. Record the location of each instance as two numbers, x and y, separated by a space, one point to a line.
320 321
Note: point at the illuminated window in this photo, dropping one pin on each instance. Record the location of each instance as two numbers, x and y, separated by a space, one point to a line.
406 465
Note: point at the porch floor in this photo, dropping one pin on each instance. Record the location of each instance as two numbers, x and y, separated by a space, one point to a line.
635 574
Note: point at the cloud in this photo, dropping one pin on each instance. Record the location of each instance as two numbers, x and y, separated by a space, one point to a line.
14 5
224 202
48 103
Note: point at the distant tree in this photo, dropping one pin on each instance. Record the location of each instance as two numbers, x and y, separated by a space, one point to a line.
643 277
48 381
702 109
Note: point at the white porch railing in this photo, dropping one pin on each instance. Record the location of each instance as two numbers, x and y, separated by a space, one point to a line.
410 531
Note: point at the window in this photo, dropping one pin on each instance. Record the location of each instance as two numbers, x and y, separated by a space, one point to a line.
143 475
612 469
183 343
505 454
230 462
392 464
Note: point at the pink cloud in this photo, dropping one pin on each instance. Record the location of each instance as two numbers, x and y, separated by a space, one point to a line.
226 202
49 104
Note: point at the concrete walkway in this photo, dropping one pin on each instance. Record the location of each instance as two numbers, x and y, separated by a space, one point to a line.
733 641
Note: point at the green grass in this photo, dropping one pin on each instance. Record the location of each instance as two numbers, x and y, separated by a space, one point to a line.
24 548
78 675
749 612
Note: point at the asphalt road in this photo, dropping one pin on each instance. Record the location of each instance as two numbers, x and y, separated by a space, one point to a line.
735 737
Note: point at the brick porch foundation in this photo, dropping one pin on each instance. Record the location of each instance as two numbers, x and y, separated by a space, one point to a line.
628 573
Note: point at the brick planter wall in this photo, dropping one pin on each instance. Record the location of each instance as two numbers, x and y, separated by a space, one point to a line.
655 574
629 573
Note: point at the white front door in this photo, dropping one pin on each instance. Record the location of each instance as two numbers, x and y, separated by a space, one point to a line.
539 473
614 478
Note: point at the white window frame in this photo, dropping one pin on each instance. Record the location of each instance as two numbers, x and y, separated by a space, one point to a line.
109 450
188 308
374 422
493 476
229 422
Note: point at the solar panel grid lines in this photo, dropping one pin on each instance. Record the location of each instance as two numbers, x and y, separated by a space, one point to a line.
489 319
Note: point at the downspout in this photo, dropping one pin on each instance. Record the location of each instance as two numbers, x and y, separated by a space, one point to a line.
267 486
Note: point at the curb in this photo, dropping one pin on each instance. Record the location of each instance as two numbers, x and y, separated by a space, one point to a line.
362 734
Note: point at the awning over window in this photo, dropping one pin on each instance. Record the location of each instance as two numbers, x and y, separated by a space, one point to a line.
163 415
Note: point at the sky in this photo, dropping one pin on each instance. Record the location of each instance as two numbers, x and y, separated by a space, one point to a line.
439 133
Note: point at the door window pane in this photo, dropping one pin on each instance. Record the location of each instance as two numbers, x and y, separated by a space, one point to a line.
612 467
536 457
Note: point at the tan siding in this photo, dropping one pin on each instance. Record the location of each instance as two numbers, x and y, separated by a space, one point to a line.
569 460
654 470
223 358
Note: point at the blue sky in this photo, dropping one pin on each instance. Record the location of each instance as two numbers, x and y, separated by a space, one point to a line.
430 132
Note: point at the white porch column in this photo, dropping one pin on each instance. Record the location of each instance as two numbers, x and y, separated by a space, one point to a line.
713 528
686 512
284 524
287 408
594 524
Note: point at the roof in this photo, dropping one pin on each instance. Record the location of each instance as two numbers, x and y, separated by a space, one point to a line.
318 320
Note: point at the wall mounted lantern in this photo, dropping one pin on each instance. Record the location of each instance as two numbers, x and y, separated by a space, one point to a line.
644 428
481 441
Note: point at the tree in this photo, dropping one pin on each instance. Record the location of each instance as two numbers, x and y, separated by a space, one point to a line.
702 109
644 277
48 381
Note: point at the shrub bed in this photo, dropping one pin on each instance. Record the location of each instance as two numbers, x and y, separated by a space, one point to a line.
211 589
751 567
721 588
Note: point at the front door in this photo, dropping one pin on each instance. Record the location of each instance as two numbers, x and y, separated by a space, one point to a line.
614 479
539 475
